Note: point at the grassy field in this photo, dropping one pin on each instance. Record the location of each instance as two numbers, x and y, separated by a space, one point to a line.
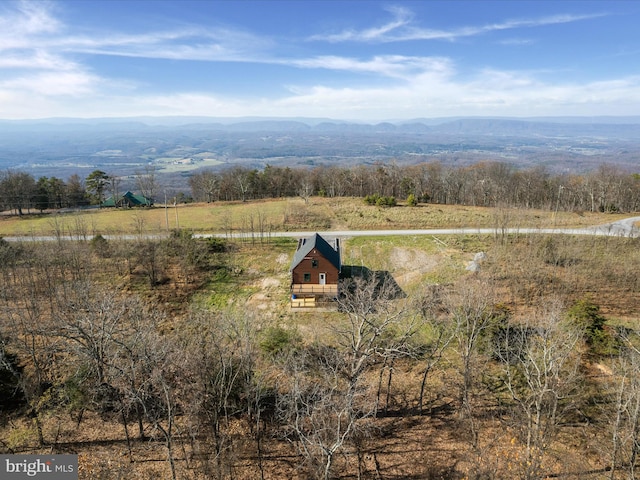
290 214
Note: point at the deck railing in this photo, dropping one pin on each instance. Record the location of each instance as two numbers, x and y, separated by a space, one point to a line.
314 289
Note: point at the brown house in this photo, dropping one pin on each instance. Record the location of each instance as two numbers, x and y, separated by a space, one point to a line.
315 271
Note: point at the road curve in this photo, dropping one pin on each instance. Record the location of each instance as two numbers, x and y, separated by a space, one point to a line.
622 228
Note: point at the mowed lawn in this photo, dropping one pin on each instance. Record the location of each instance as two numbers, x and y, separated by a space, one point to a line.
290 214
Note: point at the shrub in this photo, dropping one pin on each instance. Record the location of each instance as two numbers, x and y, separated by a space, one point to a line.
586 315
386 202
11 397
181 234
100 246
216 245
9 251
371 199
380 201
277 339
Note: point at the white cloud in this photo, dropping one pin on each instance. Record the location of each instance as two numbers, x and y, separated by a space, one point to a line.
31 25
517 41
39 58
72 83
186 44
402 18
41 75
34 60
400 29
394 66
490 93
25 24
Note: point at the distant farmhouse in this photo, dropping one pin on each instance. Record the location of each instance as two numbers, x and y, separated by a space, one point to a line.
128 200
315 272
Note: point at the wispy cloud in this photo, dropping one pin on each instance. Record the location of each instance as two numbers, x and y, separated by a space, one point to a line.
42 68
517 41
36 60
39 53
393 66
401 19
24 23
401 28
184 44
73 83
31 26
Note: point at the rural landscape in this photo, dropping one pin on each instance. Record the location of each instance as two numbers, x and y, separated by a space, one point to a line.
162 341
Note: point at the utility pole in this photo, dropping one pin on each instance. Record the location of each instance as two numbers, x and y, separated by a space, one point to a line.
175 205
166 210
555 214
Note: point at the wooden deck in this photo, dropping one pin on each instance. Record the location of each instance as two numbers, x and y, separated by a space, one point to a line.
323 304
314 289
309 302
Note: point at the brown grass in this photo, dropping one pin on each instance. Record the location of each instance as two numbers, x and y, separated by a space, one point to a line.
290 214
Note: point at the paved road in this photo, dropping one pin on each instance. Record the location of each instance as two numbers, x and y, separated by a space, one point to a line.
621 228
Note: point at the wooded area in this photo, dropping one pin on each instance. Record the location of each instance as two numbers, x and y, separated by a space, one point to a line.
178 358
488 184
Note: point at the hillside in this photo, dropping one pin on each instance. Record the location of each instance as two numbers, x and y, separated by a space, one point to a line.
178 357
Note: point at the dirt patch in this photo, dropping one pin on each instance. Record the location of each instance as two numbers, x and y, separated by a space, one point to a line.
270 282
260 301
266 299
283 259
409 264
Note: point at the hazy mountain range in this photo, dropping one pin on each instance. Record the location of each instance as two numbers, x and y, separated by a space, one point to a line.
179 145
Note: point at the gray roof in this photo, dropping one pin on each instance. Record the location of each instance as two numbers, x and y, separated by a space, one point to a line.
305 245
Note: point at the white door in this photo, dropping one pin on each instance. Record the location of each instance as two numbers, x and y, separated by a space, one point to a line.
322 278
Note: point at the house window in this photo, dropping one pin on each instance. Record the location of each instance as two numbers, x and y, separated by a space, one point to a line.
307 277
314 263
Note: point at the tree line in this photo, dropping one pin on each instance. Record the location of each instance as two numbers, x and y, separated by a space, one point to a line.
486 184
20 192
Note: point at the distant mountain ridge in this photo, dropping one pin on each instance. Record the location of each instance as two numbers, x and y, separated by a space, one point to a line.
61 146
619 127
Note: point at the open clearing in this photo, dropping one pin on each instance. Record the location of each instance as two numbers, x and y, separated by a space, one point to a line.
291 214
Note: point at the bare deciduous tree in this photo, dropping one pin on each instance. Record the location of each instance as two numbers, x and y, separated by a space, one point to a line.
470 307
320 408
218 367
147 182
438 332
373 311
625 414
325 401
305 189
540 361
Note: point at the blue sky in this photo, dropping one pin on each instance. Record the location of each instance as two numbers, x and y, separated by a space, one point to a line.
353 60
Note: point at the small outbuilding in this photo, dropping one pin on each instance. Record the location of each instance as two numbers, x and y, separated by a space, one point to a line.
128 200
315 271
